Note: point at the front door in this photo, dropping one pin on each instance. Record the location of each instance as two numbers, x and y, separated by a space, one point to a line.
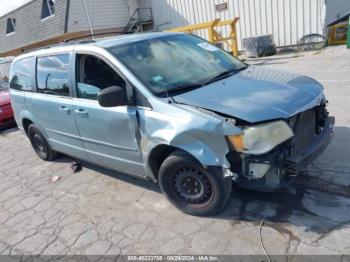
108 134
52 105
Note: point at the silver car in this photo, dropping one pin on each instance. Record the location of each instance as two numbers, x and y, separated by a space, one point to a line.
172 108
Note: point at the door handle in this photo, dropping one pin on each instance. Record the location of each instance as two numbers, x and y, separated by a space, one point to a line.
64 109
81 112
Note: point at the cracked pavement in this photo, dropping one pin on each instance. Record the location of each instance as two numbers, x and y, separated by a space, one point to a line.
100 212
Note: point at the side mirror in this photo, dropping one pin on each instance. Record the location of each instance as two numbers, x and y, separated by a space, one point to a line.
112 96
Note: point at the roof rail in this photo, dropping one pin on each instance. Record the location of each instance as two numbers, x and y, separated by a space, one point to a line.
91 40
72 41
42 47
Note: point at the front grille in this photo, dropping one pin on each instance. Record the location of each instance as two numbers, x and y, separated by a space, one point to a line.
304 128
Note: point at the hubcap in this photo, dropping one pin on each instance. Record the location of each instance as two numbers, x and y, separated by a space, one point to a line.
192 185
39 143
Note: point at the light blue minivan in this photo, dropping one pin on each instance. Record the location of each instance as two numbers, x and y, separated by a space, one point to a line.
172 108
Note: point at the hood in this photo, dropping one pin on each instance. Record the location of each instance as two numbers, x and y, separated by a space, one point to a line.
4 98
257 94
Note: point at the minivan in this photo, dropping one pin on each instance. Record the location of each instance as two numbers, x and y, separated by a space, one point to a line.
172 108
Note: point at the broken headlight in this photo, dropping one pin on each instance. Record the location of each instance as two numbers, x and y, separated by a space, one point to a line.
261 139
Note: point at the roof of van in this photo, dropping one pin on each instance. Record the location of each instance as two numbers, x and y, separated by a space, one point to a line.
104 42
123 39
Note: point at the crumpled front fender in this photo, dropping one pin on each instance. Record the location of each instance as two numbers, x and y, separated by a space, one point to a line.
200 134
208 153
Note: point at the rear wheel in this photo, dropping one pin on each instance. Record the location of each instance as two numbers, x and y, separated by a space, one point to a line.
39 144
192 188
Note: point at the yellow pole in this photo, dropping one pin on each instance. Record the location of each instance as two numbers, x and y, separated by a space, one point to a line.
213 36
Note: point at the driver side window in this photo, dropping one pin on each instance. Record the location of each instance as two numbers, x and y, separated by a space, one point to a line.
94 75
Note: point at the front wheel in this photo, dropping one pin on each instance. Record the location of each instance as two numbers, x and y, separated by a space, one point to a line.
192 188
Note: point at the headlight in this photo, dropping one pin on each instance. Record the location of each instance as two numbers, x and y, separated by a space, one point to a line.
260 139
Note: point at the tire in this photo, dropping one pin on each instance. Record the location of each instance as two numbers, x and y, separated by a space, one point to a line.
191 188
39 144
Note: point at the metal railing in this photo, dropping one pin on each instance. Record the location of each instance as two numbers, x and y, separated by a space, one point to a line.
139 17
213 35
337 34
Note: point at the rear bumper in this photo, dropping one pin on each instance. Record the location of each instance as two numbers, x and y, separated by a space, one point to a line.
295 163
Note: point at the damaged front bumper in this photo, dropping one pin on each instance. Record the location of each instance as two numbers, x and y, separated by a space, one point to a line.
277 169
294 164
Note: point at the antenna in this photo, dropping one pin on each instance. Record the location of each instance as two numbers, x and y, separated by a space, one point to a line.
88 19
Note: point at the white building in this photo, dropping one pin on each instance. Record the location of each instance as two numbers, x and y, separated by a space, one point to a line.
42 22
286 20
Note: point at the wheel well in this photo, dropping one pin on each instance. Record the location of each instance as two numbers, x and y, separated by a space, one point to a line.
26 122
157 157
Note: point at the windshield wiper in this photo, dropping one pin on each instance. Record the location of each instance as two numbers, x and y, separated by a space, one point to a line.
181 88
223 75
185 87
190 86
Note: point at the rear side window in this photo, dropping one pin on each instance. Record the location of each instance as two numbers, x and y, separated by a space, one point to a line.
20 76
53 75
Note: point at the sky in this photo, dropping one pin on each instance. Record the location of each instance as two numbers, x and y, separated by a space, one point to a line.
7 6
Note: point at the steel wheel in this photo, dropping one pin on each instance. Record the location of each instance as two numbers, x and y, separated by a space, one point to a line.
192 185
192 188
40 145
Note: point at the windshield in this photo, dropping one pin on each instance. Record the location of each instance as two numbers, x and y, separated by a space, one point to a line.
176 62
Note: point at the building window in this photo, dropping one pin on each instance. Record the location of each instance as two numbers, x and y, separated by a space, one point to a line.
11 25
48 8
